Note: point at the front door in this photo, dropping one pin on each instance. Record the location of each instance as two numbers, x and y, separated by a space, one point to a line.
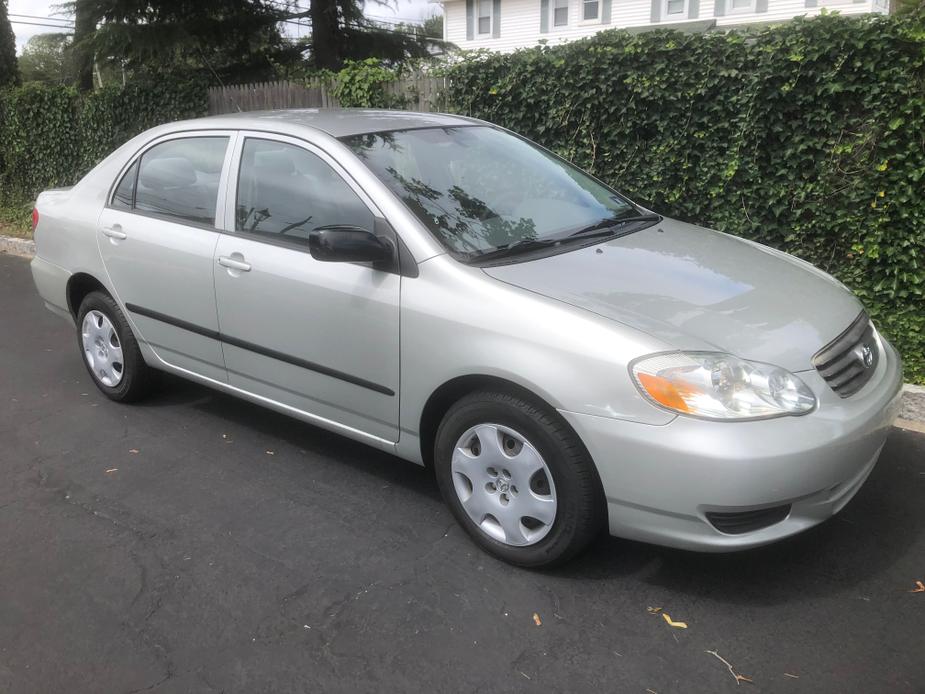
157 238
318 337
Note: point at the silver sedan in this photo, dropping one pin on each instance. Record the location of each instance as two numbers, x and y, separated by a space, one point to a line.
440 288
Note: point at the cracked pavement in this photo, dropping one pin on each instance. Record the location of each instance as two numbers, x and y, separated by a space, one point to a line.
204 564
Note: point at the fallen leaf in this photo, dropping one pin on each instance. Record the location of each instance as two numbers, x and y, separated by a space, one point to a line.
677 625
112 469
919 587
537 620
653 610
133 450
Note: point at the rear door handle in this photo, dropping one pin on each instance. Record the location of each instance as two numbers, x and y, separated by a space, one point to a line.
234 264
115 232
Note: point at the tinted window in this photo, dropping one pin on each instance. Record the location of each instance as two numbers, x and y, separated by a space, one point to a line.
286 191
179 178
122 198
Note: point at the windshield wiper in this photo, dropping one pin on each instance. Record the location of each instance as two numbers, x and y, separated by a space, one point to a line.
605 227
523 246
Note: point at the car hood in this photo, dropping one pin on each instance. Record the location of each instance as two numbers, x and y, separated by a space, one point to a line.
698 289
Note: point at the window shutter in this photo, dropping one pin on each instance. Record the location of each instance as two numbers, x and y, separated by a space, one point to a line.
605 11
761 5
544 16
470 20
693 9
719 8
811 3
496 18
656 11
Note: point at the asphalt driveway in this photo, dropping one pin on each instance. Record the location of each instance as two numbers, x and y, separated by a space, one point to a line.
196 543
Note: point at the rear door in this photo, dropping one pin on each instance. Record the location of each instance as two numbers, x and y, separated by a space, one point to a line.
157 237
319 337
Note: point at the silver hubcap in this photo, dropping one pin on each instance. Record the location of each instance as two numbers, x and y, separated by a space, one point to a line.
102 349
504 485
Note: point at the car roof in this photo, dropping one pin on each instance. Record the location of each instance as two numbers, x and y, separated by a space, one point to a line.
339 122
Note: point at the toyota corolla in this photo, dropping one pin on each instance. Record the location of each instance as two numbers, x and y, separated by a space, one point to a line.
443 289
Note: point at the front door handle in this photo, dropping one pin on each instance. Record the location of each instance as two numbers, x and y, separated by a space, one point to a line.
234 263
115 232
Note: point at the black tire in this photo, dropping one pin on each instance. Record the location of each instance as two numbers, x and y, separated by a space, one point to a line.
137 376
581 509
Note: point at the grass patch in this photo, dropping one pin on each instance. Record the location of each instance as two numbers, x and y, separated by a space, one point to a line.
16 219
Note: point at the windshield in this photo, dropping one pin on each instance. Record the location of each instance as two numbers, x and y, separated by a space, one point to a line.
479 189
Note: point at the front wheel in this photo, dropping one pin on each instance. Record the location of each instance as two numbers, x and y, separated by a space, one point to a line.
518 479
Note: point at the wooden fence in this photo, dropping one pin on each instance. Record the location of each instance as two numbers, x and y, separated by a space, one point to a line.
417 93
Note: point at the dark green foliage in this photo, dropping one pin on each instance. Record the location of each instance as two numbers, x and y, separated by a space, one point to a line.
237 40
341 32
9 69
809 137
51 136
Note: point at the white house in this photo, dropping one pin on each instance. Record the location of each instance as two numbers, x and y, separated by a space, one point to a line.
504 25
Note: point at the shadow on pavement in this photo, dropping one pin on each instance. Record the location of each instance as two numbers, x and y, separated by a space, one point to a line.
876 528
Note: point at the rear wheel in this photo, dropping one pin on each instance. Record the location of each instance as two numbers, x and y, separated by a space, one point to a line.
110 350
518 479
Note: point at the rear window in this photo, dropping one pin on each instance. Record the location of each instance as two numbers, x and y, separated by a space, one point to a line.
177 179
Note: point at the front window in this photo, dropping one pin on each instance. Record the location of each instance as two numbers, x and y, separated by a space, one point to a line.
675 9
591 8
479 189
485 16
284 192
560 13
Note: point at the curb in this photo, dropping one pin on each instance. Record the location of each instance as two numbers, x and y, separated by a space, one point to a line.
17 246
913 406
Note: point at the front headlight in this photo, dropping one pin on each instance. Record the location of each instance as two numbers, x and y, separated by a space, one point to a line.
720 386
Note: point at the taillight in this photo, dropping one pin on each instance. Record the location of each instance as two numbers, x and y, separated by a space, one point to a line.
35 218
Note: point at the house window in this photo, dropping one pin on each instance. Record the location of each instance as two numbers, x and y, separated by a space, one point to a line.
741 6
591 9
560 13
675 9
485 16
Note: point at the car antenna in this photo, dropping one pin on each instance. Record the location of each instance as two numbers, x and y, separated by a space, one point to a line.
215 74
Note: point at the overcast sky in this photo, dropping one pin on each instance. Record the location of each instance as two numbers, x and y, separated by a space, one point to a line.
396 10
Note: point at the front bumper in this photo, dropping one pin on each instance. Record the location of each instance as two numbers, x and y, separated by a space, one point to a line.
661 481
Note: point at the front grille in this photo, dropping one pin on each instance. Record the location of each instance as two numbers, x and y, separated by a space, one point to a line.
739 522
848 361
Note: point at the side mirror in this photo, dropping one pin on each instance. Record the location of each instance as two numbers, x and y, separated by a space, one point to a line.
338 243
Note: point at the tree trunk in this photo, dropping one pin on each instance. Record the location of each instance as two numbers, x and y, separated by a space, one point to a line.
84 26
325 43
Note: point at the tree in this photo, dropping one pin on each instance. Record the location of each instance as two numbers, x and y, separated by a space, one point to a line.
234 40
433 26
341 32
9 69
86 17
46 59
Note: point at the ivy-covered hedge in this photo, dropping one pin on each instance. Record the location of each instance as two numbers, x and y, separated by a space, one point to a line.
809 137
50 135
